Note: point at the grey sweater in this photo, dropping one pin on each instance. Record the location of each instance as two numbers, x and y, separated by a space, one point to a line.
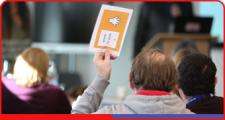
133 104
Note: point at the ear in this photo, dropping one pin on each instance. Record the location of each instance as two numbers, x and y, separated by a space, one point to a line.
131 84
182 95
177 90
215 79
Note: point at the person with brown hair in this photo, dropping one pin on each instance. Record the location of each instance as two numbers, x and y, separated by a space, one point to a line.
197 79
29 91
152 78
74 92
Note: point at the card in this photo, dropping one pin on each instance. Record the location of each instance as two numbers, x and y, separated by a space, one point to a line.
110 29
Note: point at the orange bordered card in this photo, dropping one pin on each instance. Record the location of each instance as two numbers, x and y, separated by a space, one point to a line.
110 29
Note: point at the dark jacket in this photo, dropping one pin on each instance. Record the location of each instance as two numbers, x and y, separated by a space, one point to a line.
208 105
43 98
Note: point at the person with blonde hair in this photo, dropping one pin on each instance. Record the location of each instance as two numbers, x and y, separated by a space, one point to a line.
31 87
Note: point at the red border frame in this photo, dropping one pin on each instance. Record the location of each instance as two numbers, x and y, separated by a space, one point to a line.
86 116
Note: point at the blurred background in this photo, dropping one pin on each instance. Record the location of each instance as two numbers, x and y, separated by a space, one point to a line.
64 31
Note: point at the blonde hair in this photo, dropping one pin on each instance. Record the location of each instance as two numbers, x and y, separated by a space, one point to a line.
31 67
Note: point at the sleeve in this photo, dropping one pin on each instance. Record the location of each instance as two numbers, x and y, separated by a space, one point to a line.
91 98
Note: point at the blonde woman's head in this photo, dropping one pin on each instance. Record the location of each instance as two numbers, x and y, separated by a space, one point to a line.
31 67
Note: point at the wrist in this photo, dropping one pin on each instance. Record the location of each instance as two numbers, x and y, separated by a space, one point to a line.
103 75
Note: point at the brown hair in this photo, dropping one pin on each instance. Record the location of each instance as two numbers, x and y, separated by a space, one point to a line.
152 70
75 92
179 55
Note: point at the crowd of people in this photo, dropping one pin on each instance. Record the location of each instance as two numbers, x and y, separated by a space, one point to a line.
161 84
183 83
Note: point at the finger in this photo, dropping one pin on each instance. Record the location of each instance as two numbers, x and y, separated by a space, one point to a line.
101 56
98 56
113 57
107 56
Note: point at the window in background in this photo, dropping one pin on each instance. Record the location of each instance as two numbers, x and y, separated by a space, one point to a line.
215 10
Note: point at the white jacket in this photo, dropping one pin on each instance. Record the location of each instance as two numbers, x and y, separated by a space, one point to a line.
134 104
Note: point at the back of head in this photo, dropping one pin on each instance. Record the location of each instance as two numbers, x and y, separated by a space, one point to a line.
185 44
31 67
75 92
152 70
197 75
182 53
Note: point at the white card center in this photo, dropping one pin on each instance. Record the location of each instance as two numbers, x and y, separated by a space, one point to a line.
108 38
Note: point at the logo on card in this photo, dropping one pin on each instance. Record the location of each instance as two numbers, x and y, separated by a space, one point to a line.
108 38
115 21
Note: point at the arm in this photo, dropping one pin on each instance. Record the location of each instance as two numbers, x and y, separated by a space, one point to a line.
92 96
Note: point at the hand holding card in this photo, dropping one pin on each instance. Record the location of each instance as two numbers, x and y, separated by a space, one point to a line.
102 63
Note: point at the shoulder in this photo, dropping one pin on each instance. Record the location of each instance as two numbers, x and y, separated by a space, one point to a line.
8 82
49 87
51 90
113 109
209 105
218 98
57 95
214 99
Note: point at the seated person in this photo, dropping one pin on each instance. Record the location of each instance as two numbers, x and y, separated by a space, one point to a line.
152 79
30 89
178 56
197 81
